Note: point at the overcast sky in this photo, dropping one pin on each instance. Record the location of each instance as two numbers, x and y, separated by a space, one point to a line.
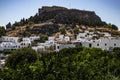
14 10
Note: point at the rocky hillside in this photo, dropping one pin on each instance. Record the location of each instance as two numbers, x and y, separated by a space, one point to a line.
55 19
68 16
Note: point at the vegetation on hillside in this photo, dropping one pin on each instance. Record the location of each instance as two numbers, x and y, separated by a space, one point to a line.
2 31
58 15
69 64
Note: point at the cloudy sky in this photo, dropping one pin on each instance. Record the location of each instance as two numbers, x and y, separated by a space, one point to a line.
14 10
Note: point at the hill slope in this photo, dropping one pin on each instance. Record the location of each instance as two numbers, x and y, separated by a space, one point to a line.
50 20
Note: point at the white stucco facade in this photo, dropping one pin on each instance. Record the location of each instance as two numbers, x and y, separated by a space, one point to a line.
9 46
103 43
59 47
10 39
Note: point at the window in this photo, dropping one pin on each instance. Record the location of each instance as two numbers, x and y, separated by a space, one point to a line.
29 44
57 47
97 44
114 44
90 45
105 44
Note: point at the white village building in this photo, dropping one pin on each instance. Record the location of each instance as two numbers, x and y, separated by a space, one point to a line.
11 43
44 46
10 39
9 46
59 47
106 42
63 38
33 38
86 38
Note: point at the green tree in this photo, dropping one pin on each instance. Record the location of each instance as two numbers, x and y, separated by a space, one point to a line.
43 38
2 31
111 26
114 27
78 63
20 39
76 30
20 57
16 24
30 23
62 30
22 22
8 25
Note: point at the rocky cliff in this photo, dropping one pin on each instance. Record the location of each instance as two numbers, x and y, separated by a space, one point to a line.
64 15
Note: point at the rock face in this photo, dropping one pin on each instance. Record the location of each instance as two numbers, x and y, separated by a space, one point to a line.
53 8
64 15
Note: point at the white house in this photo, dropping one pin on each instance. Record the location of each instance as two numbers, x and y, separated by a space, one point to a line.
106 34
34 38
25 43
60 38
44 46
30 38
67 38
11 43
103 43
26 39
59 47
39 48
51 38
10 39
51 42
63 38
9 46
81 35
